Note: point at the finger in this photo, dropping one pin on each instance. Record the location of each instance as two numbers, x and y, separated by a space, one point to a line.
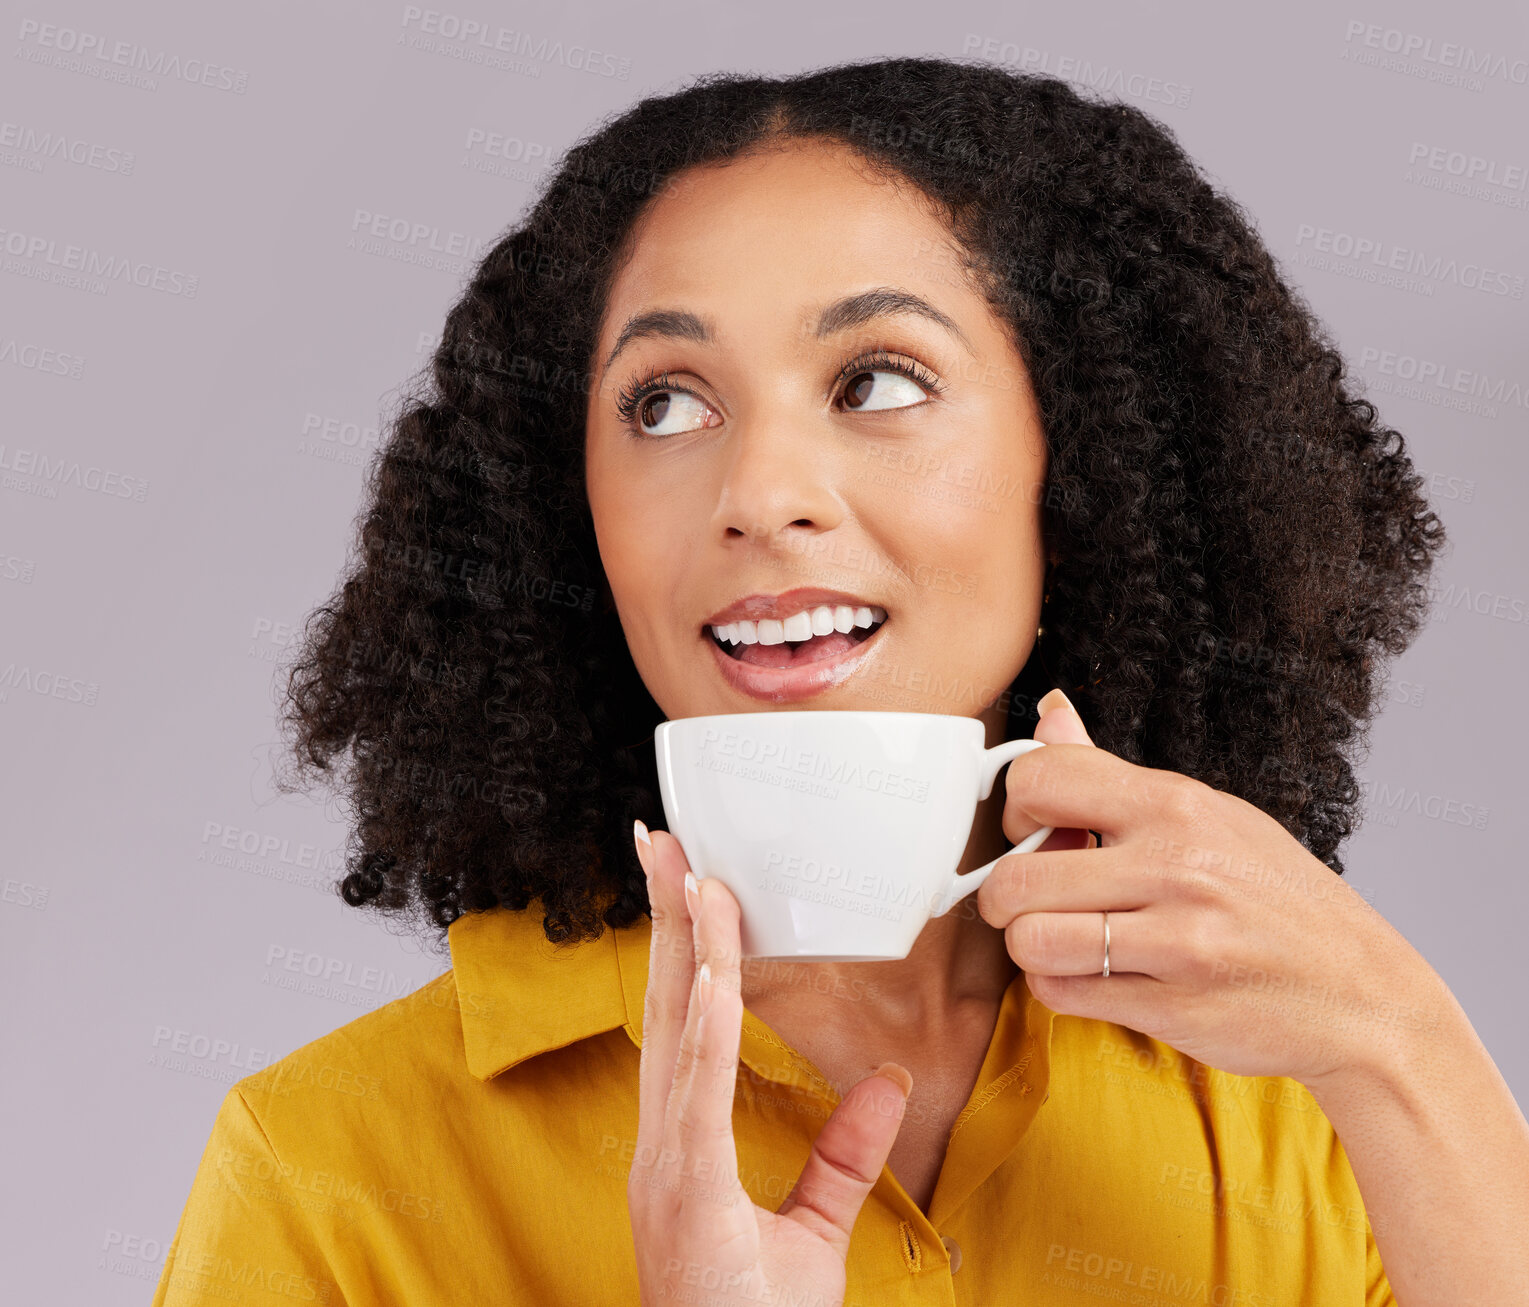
1068 880
1090 788
1136 1002
685 1057
670 977
1059 724
847 1158
1072 944
705 1106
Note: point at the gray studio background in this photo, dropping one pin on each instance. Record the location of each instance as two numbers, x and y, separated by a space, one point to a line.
182 453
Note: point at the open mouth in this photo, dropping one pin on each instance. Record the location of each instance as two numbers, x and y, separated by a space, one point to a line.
807 637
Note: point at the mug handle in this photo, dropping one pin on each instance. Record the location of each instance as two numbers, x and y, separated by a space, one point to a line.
964 882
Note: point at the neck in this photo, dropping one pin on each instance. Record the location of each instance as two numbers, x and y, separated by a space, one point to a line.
957 958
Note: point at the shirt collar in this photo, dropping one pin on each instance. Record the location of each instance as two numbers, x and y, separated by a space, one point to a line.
520 995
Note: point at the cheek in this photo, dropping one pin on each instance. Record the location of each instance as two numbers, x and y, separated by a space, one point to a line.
977 568
968 553
640 572
618 506
645 555
628 547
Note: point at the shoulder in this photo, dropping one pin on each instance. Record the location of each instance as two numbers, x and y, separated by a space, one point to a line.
382 1058
306 1147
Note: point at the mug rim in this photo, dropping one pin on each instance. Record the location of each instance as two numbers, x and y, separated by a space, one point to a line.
816 712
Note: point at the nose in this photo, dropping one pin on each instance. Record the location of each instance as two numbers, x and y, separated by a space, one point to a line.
779 484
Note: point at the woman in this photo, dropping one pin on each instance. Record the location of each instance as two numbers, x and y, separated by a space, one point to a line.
988 372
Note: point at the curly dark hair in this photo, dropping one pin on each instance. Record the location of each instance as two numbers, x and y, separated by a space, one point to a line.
1237 535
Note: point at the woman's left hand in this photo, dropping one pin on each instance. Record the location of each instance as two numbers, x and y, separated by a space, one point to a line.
1229 941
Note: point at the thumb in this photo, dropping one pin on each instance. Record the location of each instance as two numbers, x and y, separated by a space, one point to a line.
848 1155
1059 723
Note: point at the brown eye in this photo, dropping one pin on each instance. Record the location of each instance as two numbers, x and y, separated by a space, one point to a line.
862 385
665 405
653 408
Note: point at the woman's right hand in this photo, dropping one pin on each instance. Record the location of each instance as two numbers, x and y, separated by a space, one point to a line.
694 1226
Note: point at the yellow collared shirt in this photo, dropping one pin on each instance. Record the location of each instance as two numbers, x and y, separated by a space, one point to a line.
469 1144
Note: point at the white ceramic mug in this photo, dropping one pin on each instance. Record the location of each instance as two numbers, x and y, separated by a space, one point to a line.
839 833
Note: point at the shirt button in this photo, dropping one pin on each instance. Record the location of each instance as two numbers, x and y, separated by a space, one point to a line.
954 1250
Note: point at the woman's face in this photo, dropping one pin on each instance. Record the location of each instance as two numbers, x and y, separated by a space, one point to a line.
806 439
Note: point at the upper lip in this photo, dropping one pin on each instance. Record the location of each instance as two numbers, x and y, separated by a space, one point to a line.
756 607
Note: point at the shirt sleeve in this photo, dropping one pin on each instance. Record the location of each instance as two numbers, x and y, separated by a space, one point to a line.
1377 1288
244 1235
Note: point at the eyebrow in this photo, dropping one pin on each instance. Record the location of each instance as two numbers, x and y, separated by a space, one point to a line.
842 315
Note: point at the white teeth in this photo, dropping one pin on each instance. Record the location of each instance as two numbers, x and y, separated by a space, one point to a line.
798 626
803 625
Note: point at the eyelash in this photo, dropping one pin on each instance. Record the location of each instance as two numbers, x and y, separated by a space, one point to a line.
877 360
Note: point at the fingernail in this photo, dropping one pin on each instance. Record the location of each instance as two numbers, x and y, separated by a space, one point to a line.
900 1074
703 985
692 896
644 847
1047 703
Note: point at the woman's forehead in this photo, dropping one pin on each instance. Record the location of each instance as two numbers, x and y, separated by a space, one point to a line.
787 219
